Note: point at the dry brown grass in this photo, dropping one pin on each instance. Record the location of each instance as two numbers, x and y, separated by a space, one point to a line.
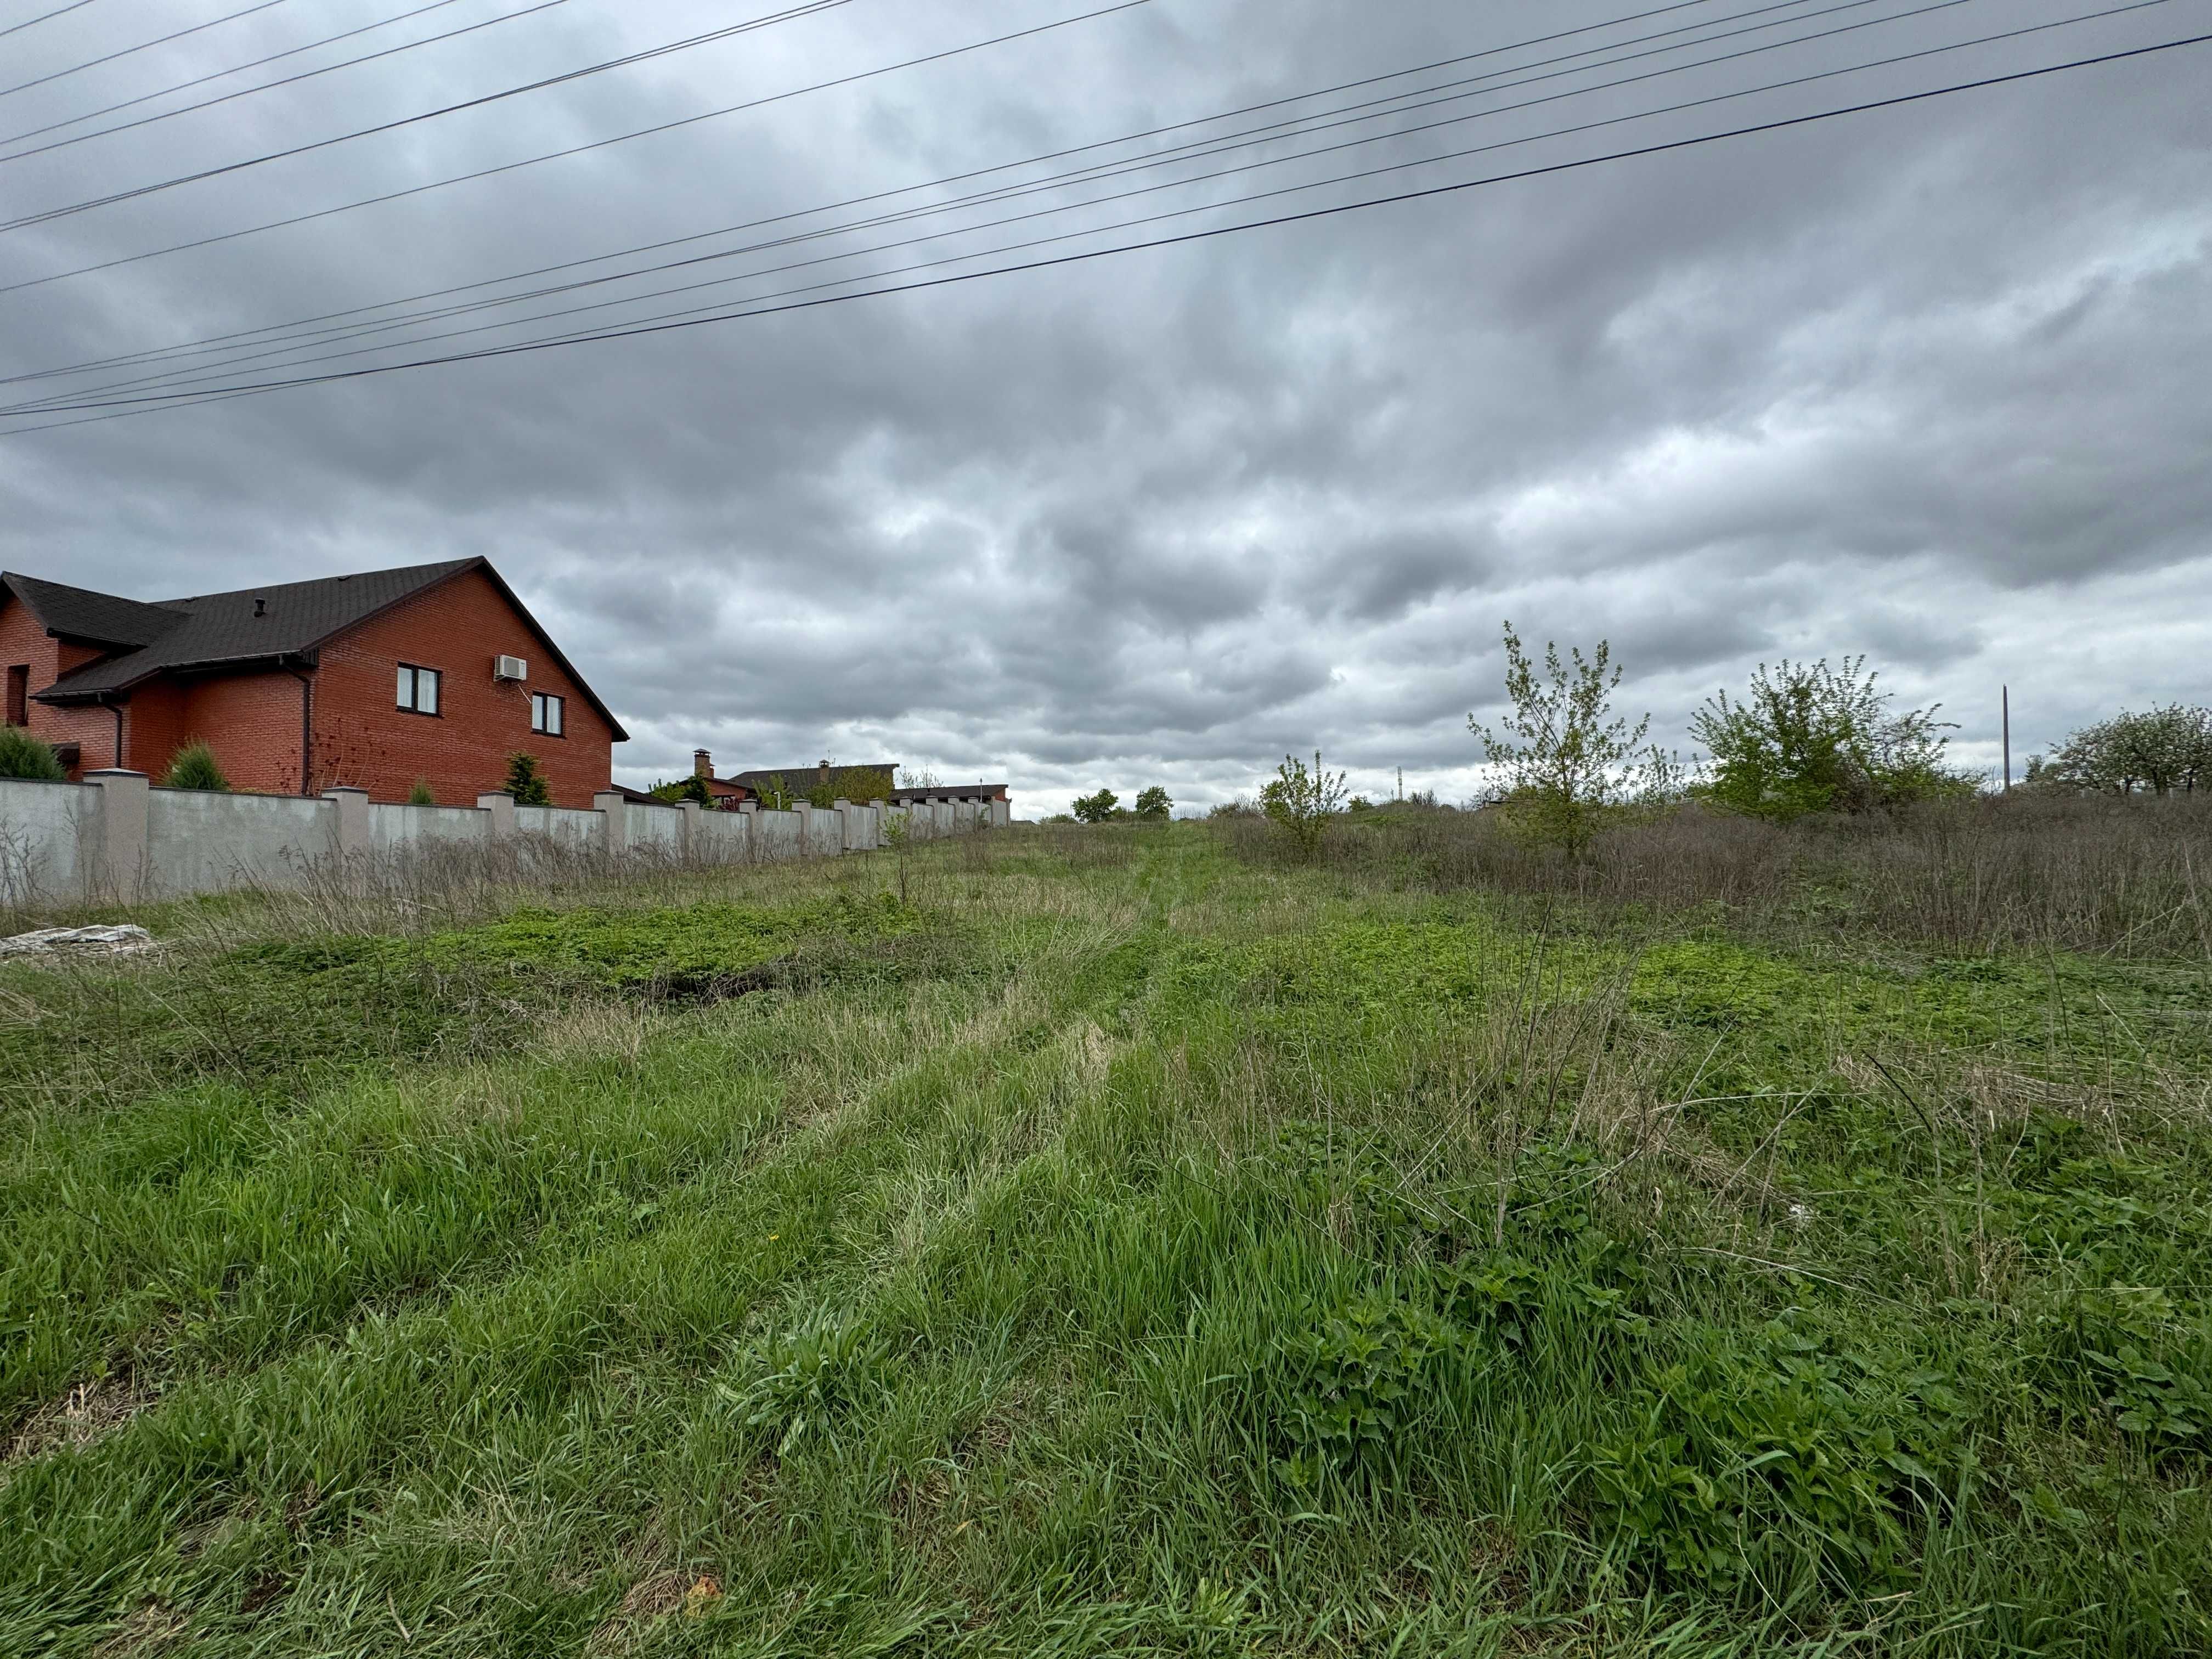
2023 872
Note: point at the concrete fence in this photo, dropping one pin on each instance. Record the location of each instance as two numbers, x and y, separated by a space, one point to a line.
114 838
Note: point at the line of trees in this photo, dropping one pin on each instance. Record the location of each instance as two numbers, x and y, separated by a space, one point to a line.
2162 752
1802 739
1153 805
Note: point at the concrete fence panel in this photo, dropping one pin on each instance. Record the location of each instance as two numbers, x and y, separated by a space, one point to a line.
777 836
563 825
395 830
660 828
199 842
48 834
722 838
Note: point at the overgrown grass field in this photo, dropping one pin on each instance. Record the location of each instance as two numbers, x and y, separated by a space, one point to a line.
1130 1243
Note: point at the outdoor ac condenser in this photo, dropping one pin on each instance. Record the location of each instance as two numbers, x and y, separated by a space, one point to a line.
509 668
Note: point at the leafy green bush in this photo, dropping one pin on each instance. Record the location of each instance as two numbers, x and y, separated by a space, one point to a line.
22 756
526 782
1154 802
1096 809
677 791
1807 738
421 794
1300 803
195 768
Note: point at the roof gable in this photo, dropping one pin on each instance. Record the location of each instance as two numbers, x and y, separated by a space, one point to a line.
79 613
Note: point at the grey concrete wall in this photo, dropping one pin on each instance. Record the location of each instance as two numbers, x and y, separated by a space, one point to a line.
397 829
198 841
58 839
660 828
46 830
564 825
776 835
722 838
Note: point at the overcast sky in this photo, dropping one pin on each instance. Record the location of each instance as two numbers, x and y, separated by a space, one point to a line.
1932 383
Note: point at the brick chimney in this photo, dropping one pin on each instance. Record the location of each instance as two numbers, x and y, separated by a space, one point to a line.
825 771
703 763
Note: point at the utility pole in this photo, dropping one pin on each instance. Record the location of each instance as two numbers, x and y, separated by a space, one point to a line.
2005 694
1401 783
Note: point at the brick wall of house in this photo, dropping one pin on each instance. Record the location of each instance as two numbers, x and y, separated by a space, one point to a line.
363 738
252 722
24 640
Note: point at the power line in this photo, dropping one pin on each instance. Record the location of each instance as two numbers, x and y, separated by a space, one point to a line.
578 150
16 28
753 309
184 375
162 41
807 9
238 69
999 192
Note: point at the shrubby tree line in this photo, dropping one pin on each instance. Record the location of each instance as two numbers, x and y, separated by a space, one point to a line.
2164 751
1153 805
1802 740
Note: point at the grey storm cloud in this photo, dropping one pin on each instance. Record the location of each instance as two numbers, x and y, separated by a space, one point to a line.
1926 383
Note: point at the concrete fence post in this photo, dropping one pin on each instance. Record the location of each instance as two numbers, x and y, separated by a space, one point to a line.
352 839
500 805
693 834
847 826
614 822
119 861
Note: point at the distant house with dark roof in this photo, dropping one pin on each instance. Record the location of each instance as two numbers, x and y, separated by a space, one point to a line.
855 782
434 674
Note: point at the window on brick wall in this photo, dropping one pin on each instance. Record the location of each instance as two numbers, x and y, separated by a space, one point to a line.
549 715
19 695
418 689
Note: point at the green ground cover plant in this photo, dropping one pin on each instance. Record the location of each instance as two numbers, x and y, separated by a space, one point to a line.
1134 1241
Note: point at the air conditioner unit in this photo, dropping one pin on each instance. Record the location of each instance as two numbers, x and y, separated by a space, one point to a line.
509 668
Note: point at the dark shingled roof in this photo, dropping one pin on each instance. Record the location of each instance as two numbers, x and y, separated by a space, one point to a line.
222 630
78 613
800 779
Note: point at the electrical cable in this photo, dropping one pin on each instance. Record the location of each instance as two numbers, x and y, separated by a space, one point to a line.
599 143
240 69
755 309
16 28
172 375
807 9
161 40
1156 157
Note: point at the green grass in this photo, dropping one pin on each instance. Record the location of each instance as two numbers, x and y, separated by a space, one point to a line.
1118 1249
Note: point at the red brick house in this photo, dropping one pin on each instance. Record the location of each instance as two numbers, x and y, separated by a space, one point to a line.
435 673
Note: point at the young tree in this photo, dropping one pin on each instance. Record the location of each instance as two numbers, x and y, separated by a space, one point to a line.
526 782
1154 803
421 794
22 756
195 768
1300 802
1565 756
1807 738
1095 809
